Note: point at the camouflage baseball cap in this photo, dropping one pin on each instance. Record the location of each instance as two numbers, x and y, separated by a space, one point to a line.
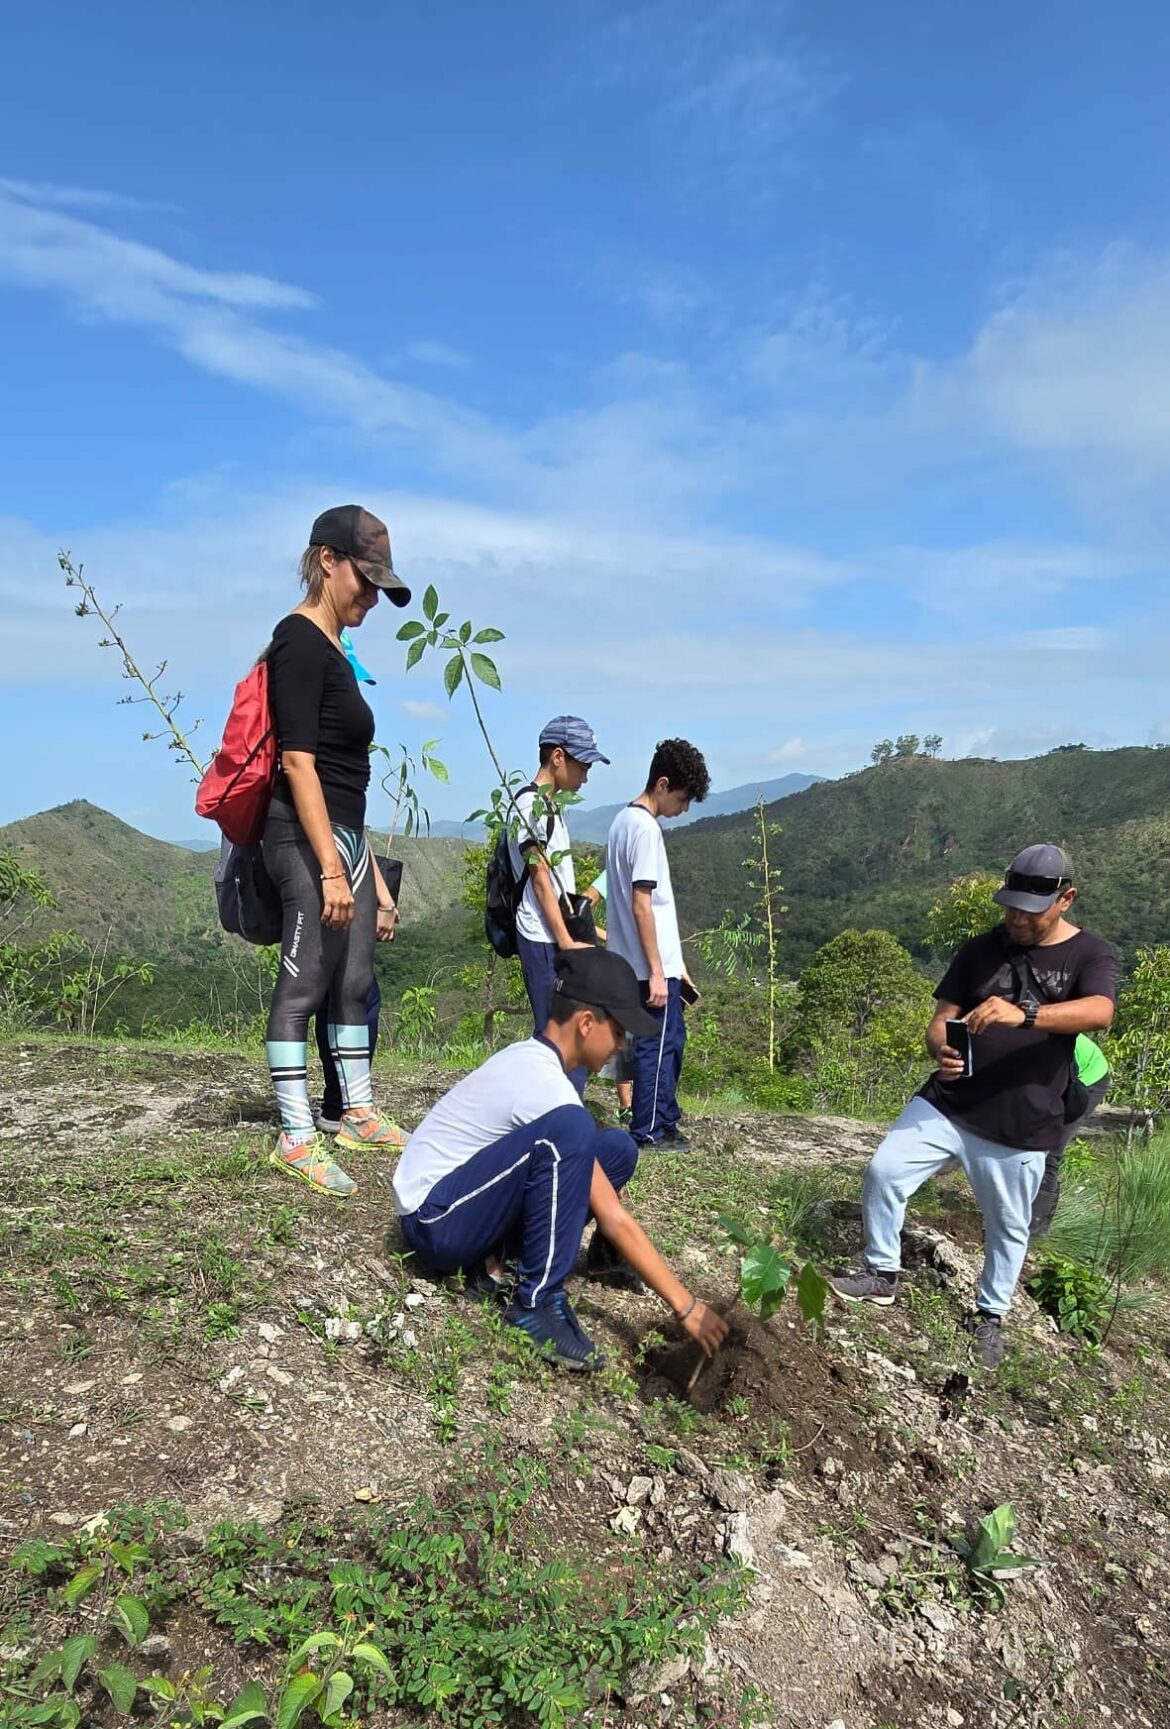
357 534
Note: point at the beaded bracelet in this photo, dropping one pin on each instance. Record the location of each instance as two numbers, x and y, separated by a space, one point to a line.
689 1309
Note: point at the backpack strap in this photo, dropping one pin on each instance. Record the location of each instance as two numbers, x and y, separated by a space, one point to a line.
533 839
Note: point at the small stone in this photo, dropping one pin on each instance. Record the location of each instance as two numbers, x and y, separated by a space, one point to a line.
178 1424
78 1430
351 1331
278 1375
658 1493
61 1518
365 1494
731 1490
232 1379
267 1511
155 1645
736 1542
955 1718
939 1619
132 1380
413 1300
791 1557
333 1328
78 1387
690 1463
625 1520
269 1333
639 1490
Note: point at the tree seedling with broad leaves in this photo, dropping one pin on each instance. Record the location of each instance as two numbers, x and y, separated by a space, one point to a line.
766 1270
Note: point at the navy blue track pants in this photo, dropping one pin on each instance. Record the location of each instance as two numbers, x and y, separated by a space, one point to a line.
657 1066
538 963
527 1193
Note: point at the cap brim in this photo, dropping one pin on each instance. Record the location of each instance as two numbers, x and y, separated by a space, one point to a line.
1025 903
590 759
384 578
636 1020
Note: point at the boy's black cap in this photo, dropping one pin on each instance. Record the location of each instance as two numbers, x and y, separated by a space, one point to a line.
599 980
358 534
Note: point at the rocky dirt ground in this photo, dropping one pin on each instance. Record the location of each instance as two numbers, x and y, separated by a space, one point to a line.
182 1324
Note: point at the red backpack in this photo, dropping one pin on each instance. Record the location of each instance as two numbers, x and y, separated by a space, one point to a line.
237 786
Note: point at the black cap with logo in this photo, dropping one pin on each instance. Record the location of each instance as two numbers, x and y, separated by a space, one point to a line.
600 980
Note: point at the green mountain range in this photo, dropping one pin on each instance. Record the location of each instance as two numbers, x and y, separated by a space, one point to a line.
875 848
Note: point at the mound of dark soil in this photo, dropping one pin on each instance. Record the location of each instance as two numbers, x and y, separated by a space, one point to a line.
778 1369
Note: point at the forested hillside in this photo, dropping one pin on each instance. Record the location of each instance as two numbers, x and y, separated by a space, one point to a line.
873 849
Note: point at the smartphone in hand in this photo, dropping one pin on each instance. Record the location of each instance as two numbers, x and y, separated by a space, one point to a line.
688 992
959 1039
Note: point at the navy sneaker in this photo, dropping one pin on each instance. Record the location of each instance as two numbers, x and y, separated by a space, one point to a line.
675 1141
555 1331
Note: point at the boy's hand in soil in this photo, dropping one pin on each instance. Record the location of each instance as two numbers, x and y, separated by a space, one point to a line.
706 1328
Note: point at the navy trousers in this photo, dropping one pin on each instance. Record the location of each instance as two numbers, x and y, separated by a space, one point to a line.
538 964
528 1192
657 1066
332 1104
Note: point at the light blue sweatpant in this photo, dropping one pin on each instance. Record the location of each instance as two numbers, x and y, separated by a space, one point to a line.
923 1144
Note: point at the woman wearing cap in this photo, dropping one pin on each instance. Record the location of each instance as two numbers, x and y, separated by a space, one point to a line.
335 903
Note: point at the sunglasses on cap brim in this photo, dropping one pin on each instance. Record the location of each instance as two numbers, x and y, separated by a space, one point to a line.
1028 885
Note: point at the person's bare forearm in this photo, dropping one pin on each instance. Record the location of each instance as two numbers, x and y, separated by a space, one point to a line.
647 932
1084 1015
300 771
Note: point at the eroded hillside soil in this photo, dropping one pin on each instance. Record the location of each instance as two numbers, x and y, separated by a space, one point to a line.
182 1325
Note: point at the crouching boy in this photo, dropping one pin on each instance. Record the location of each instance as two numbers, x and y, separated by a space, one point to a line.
509 1165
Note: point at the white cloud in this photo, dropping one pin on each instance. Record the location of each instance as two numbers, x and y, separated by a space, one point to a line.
77 197
435 354
424 710
793 749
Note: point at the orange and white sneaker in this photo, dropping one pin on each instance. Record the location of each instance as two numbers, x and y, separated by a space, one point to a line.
366 1126
312 1162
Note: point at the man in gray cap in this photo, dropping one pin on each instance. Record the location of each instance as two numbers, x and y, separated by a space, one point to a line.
542 858
1023 992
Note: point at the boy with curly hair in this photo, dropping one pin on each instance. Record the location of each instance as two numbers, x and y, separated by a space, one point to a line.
643 929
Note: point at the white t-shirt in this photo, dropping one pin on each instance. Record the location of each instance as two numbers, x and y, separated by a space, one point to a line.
530 921
517 1085
636 853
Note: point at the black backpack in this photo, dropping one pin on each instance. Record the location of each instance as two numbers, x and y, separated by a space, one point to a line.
249 905
505 890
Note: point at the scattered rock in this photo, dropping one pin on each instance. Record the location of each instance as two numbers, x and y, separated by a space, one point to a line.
736 1542
178 1424
78 1387
791 1557
281 1378
731 1490
939 1619
155 1645
626 1520
690 1463
639 1490
647 1678
232 1379
78 1430
269 1333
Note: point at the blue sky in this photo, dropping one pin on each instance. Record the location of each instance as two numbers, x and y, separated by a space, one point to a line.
782 375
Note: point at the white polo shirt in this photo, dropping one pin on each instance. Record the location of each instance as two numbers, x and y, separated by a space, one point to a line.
636 853
517 1085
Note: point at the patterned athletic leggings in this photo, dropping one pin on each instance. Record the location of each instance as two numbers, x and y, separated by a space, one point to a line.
318 963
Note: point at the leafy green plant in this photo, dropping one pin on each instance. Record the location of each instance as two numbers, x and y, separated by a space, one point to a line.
1079 1299
765 1273
985 1550
397 782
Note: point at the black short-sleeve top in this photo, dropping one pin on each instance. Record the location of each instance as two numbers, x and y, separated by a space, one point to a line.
318 708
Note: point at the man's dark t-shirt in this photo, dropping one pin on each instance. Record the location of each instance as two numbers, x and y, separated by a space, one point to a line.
1015 1096
318 708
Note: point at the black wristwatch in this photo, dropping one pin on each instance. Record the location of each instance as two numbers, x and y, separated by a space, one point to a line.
1030 1012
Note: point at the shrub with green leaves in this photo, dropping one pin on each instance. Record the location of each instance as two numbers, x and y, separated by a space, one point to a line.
1079 1300
985 1550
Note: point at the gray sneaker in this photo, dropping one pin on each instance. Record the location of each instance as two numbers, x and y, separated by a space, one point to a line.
987 1334
870 1285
